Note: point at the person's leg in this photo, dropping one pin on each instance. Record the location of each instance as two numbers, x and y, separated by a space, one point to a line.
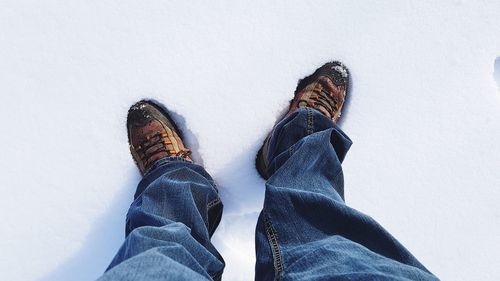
175 211
305 230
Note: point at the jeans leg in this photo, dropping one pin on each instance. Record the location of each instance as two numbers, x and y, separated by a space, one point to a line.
175 211
305 230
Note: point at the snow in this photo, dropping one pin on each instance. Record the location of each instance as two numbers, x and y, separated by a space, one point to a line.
424 115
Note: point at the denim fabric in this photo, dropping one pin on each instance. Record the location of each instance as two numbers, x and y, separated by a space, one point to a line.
304 232
175 211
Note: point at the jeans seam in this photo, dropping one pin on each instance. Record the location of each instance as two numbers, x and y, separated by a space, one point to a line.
310 121
212 203
335 182
272 237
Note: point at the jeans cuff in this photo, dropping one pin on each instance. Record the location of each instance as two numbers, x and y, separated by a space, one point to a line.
162 162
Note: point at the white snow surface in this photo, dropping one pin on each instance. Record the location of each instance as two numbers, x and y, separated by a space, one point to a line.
424 116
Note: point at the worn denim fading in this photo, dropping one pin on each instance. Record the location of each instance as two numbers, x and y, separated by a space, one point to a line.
169 225
304 232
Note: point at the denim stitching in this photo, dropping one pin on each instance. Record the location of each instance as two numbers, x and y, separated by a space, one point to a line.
212 203
310 121
272 237
290 151
128 226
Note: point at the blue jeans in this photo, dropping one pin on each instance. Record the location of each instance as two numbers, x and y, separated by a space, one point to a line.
304 232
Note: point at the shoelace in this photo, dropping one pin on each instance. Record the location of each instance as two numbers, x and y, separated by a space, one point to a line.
161 140
318 97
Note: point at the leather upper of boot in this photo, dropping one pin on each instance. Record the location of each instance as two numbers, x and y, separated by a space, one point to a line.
152 135
325 90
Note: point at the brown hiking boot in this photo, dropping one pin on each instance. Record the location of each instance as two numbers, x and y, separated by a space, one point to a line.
325 90
152 135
